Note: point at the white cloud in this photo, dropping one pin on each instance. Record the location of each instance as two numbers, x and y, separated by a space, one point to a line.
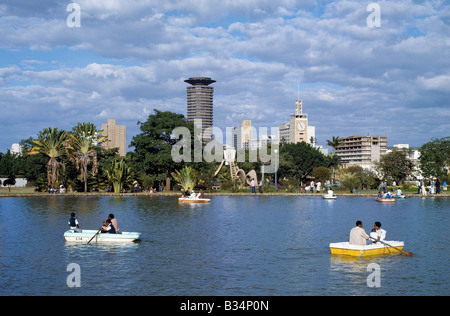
441 82
140 51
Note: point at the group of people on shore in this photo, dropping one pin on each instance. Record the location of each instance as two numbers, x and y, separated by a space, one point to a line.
358 235
433 188
109 225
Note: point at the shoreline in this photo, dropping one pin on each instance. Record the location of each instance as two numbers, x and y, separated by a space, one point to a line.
146 194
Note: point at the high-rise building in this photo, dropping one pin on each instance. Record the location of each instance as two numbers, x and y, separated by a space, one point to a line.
200 103
242 134
361 150
298 129
117 135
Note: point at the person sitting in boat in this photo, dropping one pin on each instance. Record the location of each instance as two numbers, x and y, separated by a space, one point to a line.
399 192
73 223
330 192
358 235
114 223
201 195
387 195
187 193
373 235
108 227
381 233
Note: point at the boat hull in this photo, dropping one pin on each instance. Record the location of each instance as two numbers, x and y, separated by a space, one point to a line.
399 196
329 197
391 200
85 235
187 200
378 249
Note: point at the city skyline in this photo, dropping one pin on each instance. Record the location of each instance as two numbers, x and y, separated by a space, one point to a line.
127 58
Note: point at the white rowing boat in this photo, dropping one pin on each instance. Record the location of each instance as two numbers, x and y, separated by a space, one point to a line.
329 196
193 200
86 235
385 200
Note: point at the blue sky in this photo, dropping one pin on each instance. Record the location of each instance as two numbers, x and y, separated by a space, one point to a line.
129 57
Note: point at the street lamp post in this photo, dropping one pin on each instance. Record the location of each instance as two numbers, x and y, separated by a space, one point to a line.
276 154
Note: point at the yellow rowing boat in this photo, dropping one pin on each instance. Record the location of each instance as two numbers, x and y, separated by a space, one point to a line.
377 249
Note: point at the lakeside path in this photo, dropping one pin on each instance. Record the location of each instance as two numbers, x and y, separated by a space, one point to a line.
81 194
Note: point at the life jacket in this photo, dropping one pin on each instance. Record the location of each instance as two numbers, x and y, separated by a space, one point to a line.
72 222
111 229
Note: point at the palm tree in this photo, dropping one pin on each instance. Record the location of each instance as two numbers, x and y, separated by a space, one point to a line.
84 140
118 174
51 142
334 142
187 177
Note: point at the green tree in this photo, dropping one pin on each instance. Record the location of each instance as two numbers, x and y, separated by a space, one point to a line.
83 141
350 181
7 163
299 160
334 142
187 177
322 174
153 146
10 181
435 158
119 174
395 166
52 143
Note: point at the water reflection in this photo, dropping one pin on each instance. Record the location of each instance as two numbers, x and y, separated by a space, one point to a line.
234 245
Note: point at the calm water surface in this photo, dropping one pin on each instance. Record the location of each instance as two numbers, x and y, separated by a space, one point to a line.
236 245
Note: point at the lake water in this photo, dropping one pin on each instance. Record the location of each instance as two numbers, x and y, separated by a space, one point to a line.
236 245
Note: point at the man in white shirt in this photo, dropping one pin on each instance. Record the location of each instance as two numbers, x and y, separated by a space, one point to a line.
358 235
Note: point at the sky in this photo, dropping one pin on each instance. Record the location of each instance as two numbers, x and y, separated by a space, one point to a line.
126 58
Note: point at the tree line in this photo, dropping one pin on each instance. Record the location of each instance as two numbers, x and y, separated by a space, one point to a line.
76 160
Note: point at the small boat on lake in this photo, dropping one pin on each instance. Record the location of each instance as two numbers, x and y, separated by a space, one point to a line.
377 249
193 200
86 235
399 196
329 196
385 200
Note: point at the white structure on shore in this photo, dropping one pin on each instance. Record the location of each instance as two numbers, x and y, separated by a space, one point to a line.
16 148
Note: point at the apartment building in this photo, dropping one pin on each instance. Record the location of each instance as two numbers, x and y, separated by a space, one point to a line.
361 150
117 135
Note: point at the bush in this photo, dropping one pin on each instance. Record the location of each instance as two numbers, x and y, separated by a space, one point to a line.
350 181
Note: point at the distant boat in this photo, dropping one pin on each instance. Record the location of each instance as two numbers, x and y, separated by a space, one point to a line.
193 200
377 249
399 196
329 197
384 200
86 235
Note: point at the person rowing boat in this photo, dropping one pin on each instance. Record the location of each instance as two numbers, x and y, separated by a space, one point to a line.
107 227
110 225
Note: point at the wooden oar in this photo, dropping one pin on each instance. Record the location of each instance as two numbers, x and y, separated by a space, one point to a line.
94 235
406 253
